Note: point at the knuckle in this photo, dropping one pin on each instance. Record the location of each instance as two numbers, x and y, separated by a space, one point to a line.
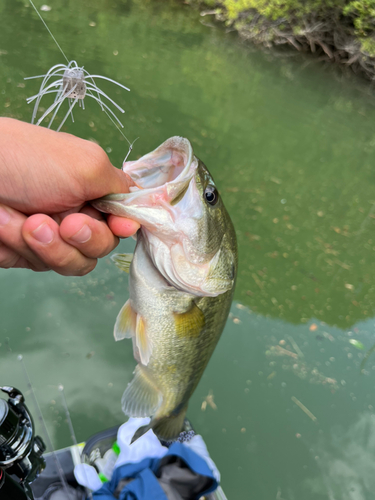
72 264
64 264
110 247
85 269
102 243
40 268
8 258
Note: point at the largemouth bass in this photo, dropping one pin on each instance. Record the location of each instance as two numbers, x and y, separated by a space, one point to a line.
181 280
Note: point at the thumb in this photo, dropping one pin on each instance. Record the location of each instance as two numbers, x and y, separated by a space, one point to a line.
100 177
118 181
112 181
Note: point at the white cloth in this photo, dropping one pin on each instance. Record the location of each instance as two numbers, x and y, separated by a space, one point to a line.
87 476
199 446
147 446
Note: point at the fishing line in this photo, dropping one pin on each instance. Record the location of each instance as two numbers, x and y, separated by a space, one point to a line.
72 433
41 420
87 85
123 135
67 413
49 31
130 149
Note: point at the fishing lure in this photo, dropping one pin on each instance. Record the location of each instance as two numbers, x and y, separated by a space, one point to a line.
73 83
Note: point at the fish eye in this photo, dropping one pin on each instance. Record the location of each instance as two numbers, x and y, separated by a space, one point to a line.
211 195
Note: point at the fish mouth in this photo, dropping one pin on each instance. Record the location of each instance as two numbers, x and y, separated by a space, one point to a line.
163 165
155 179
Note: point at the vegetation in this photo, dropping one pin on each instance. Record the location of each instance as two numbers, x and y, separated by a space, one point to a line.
339 30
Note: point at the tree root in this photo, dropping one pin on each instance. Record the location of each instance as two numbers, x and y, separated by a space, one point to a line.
331 37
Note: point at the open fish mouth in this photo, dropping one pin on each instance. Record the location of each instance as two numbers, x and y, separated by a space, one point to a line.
154 179
179 228
166 164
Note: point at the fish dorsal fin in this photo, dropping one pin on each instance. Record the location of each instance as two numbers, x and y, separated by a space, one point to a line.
122 260
142 397
142 341
126 322
190 323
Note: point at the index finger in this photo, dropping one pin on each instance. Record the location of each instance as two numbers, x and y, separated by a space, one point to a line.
122 227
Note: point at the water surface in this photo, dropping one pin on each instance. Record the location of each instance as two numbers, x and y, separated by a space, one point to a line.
290 144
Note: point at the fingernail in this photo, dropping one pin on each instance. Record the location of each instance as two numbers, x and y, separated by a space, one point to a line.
4 216
83 235
43 234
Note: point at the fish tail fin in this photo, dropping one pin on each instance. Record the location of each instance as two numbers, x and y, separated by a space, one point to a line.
142 397
169 428
165 428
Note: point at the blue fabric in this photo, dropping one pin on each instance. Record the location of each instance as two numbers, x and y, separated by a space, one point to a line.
128 470
196 463
145 485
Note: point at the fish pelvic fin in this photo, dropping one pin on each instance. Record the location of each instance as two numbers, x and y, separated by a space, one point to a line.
126 322
190 323
165 428
142 397
122 260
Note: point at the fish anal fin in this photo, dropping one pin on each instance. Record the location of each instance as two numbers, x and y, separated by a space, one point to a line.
190 323
126 321
122 260
142 341
142 397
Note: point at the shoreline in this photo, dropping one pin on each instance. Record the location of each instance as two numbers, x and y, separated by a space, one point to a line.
337 34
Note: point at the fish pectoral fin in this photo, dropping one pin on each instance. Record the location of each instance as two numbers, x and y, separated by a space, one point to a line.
122 260
142 397
126 322
142 342
190 323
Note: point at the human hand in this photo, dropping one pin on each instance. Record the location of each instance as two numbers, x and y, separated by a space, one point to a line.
46 180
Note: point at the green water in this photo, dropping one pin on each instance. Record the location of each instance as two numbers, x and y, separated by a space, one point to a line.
291 146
